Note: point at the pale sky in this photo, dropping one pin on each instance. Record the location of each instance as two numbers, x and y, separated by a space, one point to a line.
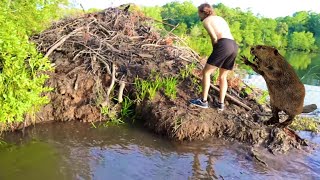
267 8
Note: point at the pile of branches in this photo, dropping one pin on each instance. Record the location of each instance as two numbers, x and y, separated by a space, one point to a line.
115 43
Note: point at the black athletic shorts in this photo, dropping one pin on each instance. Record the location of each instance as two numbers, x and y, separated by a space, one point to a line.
224 54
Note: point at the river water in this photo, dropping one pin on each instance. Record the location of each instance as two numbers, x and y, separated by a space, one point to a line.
80 151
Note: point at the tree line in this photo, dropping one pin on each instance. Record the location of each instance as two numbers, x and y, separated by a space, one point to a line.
300 32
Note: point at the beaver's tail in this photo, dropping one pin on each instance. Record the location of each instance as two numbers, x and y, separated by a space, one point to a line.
309 108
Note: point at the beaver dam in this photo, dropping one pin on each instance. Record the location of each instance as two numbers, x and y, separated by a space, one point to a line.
114 64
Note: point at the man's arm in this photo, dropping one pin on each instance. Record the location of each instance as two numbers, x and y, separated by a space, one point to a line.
211 33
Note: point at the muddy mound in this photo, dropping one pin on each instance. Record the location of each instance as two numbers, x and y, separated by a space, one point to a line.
100 58
179 120
94 54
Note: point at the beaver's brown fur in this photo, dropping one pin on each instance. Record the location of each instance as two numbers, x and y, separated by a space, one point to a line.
285 88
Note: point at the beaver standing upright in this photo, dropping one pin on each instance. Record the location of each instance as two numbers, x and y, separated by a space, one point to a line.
285 88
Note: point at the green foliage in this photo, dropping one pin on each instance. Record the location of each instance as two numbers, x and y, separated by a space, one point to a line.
215 76
299 60
155 13
247 90
147 87
246 28
302 41
112 115
170 87
126 109
141 88
263 98
22 67
184 13
305 124
188 70
116 118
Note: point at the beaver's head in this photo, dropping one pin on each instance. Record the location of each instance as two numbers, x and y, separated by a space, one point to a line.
268 60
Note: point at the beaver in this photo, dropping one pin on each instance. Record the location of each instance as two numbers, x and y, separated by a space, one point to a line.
286 91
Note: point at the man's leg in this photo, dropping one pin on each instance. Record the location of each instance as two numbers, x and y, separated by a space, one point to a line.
206 73
206 78
223 83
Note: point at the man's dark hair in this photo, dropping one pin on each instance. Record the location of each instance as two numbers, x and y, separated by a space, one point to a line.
206 9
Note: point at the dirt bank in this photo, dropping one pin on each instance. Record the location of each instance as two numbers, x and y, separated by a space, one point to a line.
100 58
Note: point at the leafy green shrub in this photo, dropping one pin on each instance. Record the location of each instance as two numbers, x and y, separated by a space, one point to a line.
22 67
305 124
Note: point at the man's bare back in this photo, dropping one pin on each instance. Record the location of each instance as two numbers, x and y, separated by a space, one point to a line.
217 28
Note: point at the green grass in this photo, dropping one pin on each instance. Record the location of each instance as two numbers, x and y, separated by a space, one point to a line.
184 73
141 88
113 122
147 88
112 115
126 110
170 87
117 118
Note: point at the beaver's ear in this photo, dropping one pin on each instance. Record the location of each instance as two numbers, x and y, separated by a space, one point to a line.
276 52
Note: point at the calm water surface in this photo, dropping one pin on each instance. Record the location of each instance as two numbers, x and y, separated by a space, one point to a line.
78 151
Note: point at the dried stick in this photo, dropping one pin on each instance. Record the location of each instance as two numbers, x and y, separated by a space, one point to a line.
185 44
162 22
172 29
185 59
107 101
61 41
112 80
121 88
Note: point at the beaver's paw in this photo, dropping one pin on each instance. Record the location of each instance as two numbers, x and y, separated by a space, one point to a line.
245 60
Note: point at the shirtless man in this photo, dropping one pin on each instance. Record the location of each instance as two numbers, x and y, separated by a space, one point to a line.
224 53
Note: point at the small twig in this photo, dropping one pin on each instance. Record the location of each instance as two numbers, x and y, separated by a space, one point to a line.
156 20
185 59
82 8
78 54
121 88
107 101
112 48
185 44
76 83
112 80
61 41
256 157
172 29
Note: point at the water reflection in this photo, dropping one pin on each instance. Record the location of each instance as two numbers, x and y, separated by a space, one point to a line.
78 151
299 60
